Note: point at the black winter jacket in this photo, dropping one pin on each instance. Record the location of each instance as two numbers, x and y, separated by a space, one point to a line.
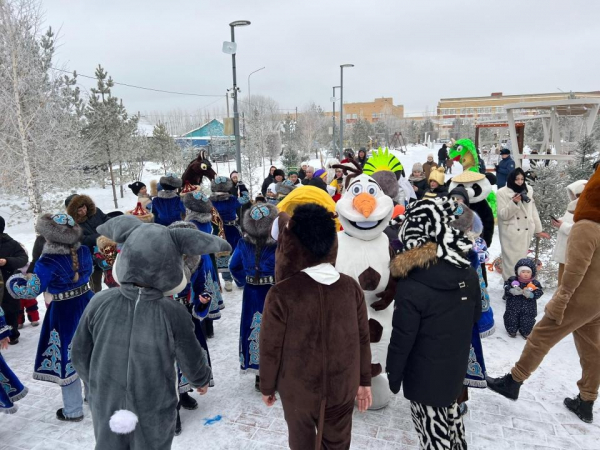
94 218
38 248
436 305
266 184
15 257
443 153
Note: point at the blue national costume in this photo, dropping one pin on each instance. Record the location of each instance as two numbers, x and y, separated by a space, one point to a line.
227 206
167 208
11 389
257 274
54 274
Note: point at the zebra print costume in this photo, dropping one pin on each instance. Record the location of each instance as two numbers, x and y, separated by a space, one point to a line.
439 428
428 220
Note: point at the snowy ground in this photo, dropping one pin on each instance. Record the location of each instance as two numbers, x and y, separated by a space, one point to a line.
537 421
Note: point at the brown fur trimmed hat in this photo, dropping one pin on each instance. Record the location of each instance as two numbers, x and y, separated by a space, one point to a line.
77 201
588 205
60 228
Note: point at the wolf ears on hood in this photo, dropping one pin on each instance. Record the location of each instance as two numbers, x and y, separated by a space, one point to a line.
151 255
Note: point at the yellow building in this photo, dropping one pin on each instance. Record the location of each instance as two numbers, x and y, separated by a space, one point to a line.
370 111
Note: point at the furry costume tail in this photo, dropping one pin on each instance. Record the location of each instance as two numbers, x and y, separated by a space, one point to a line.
123 422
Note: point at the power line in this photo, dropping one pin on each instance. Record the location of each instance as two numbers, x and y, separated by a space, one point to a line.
144 88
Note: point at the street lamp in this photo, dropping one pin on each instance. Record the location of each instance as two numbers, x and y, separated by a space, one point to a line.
342 104
333 129
250 98
231 47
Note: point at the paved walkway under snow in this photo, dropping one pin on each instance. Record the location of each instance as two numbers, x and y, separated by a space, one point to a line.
537 421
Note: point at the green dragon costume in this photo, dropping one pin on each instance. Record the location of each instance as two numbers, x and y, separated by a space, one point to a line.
465 152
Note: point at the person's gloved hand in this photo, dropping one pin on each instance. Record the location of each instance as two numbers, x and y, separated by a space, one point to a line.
516 291
528 293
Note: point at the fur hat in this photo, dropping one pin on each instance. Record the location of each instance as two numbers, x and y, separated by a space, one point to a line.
461 192
588 205
417 167
221 184
284 187
69 198
59 228
437 175
388 182
464 219
197 202
76 201
136 187
170 182
528 263
278 172
2 225
258 221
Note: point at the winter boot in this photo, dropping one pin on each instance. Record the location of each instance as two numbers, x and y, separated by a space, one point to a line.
257 383
35 323
209 328
505 386
581 408
228 285
60 415
178 424
187 402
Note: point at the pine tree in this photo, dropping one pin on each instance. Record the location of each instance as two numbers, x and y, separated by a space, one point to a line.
581 168
40 137
166 149
108 126
551 200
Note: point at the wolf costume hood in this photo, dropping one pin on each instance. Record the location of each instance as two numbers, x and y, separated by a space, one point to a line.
132 331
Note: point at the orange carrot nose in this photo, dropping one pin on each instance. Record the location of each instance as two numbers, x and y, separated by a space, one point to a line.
365 204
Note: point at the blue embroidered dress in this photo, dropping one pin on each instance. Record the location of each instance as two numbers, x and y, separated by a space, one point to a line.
54 273
227 206
206 279
257 275
476 372
11 389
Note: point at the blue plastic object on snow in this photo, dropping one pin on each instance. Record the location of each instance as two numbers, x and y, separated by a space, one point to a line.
212 421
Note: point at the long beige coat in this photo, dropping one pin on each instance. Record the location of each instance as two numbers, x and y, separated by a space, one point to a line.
517 224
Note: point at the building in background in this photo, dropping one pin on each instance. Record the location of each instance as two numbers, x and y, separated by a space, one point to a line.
370 111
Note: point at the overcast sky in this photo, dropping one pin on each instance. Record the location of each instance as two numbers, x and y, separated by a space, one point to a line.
414 51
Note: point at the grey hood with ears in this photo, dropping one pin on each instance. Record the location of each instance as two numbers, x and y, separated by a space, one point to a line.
151 255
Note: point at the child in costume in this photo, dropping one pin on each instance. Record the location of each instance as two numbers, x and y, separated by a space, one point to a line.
227 205
253 266
130 337
105 253
141 190
166 206
196 297
11 389
29 306
522 293
64 271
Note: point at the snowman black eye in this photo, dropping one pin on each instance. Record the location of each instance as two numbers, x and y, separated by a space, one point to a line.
356 189
373 190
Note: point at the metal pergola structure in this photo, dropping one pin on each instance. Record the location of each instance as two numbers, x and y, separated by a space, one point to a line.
586 107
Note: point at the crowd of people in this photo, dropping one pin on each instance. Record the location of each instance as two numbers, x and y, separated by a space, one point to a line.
397 263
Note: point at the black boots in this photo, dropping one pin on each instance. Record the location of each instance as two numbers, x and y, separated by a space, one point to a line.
581 408
178 425
505 386
187 402
60 415
257 383
210 331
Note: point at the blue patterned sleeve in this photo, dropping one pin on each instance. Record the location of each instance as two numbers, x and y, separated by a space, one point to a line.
243 199
5 330
236 265
19 286
198 283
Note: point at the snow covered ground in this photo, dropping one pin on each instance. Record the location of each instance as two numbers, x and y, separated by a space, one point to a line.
537 421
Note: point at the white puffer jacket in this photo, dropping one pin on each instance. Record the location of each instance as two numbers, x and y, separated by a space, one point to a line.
574 190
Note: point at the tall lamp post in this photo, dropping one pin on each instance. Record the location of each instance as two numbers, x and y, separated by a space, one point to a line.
236 114
342 104
333 129
249 97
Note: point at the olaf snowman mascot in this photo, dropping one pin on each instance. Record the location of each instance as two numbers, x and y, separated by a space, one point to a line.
364 211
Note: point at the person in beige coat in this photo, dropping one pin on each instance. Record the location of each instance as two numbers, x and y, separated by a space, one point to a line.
574 308
518 220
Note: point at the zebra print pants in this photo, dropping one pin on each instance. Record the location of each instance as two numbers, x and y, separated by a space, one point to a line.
439 428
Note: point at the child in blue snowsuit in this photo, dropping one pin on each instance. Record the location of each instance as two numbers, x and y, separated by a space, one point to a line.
522 293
